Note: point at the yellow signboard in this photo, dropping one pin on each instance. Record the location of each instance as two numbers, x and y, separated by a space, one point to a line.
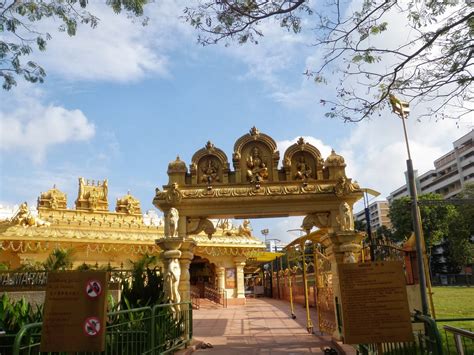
374 303
74 311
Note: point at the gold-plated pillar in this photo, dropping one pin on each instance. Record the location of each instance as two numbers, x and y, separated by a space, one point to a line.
315 268
309 323
342 246
292 307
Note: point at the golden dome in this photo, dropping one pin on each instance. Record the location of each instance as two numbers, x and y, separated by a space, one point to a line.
334 160
53 198
128 204
177 166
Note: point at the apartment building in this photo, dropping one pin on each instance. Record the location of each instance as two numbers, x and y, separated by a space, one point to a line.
451 171
378 212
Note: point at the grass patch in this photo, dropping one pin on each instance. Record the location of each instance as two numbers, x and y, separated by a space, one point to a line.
454 302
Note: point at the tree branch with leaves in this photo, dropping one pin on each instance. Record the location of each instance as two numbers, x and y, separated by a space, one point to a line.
19 36
434 66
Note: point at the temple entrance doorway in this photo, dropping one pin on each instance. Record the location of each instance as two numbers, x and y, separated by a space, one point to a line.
203 274
256 183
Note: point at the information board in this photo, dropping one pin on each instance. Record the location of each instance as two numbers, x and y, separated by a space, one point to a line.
74 311
230 278
374 303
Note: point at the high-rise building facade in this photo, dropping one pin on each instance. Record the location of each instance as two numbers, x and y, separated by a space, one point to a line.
378 212
451 171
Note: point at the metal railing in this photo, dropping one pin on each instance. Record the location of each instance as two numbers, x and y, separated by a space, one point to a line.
461 336
457 336
218 296
177 319
425 342
160 329
195 297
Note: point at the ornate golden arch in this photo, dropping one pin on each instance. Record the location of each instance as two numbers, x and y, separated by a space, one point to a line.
328 193
243 149
303 161
209 165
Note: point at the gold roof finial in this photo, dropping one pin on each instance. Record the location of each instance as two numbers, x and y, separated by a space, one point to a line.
209 145
254 131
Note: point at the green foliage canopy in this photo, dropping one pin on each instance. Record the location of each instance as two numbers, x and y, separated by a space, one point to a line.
461 230
435 219
59 260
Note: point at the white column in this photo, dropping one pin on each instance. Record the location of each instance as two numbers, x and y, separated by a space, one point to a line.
239 267
185 261
220 270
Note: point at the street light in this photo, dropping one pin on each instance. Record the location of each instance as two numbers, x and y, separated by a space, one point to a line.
402 109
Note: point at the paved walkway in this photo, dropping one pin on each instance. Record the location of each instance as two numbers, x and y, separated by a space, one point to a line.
263 326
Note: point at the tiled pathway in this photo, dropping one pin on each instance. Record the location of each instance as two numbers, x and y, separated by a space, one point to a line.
263 326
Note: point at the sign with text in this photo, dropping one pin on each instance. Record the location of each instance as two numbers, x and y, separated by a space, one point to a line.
374 303
75 311
23 281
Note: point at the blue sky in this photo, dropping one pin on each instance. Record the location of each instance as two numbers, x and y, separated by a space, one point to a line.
123 100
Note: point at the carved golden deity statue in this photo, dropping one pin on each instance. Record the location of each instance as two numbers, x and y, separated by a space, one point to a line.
257 169
209 172
303 170
22 216
245 229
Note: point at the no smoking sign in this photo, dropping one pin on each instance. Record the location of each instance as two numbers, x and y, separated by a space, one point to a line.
92 326
93 288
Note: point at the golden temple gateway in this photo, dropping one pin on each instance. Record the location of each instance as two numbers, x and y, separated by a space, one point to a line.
197 243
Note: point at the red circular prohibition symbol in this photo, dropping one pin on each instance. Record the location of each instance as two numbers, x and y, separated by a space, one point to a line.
92 326
93 288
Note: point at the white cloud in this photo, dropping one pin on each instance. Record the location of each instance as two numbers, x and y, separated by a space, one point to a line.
273 57
376 153
32 126
375 150
119 48
323 148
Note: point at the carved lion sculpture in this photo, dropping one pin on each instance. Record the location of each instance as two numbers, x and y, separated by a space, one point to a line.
345 217
172 220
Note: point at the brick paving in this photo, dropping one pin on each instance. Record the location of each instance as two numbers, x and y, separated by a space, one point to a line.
262 326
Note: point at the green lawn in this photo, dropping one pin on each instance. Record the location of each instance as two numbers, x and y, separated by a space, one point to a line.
454 302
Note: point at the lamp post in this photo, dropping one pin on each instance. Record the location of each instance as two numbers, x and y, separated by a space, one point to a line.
402 109
265 233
